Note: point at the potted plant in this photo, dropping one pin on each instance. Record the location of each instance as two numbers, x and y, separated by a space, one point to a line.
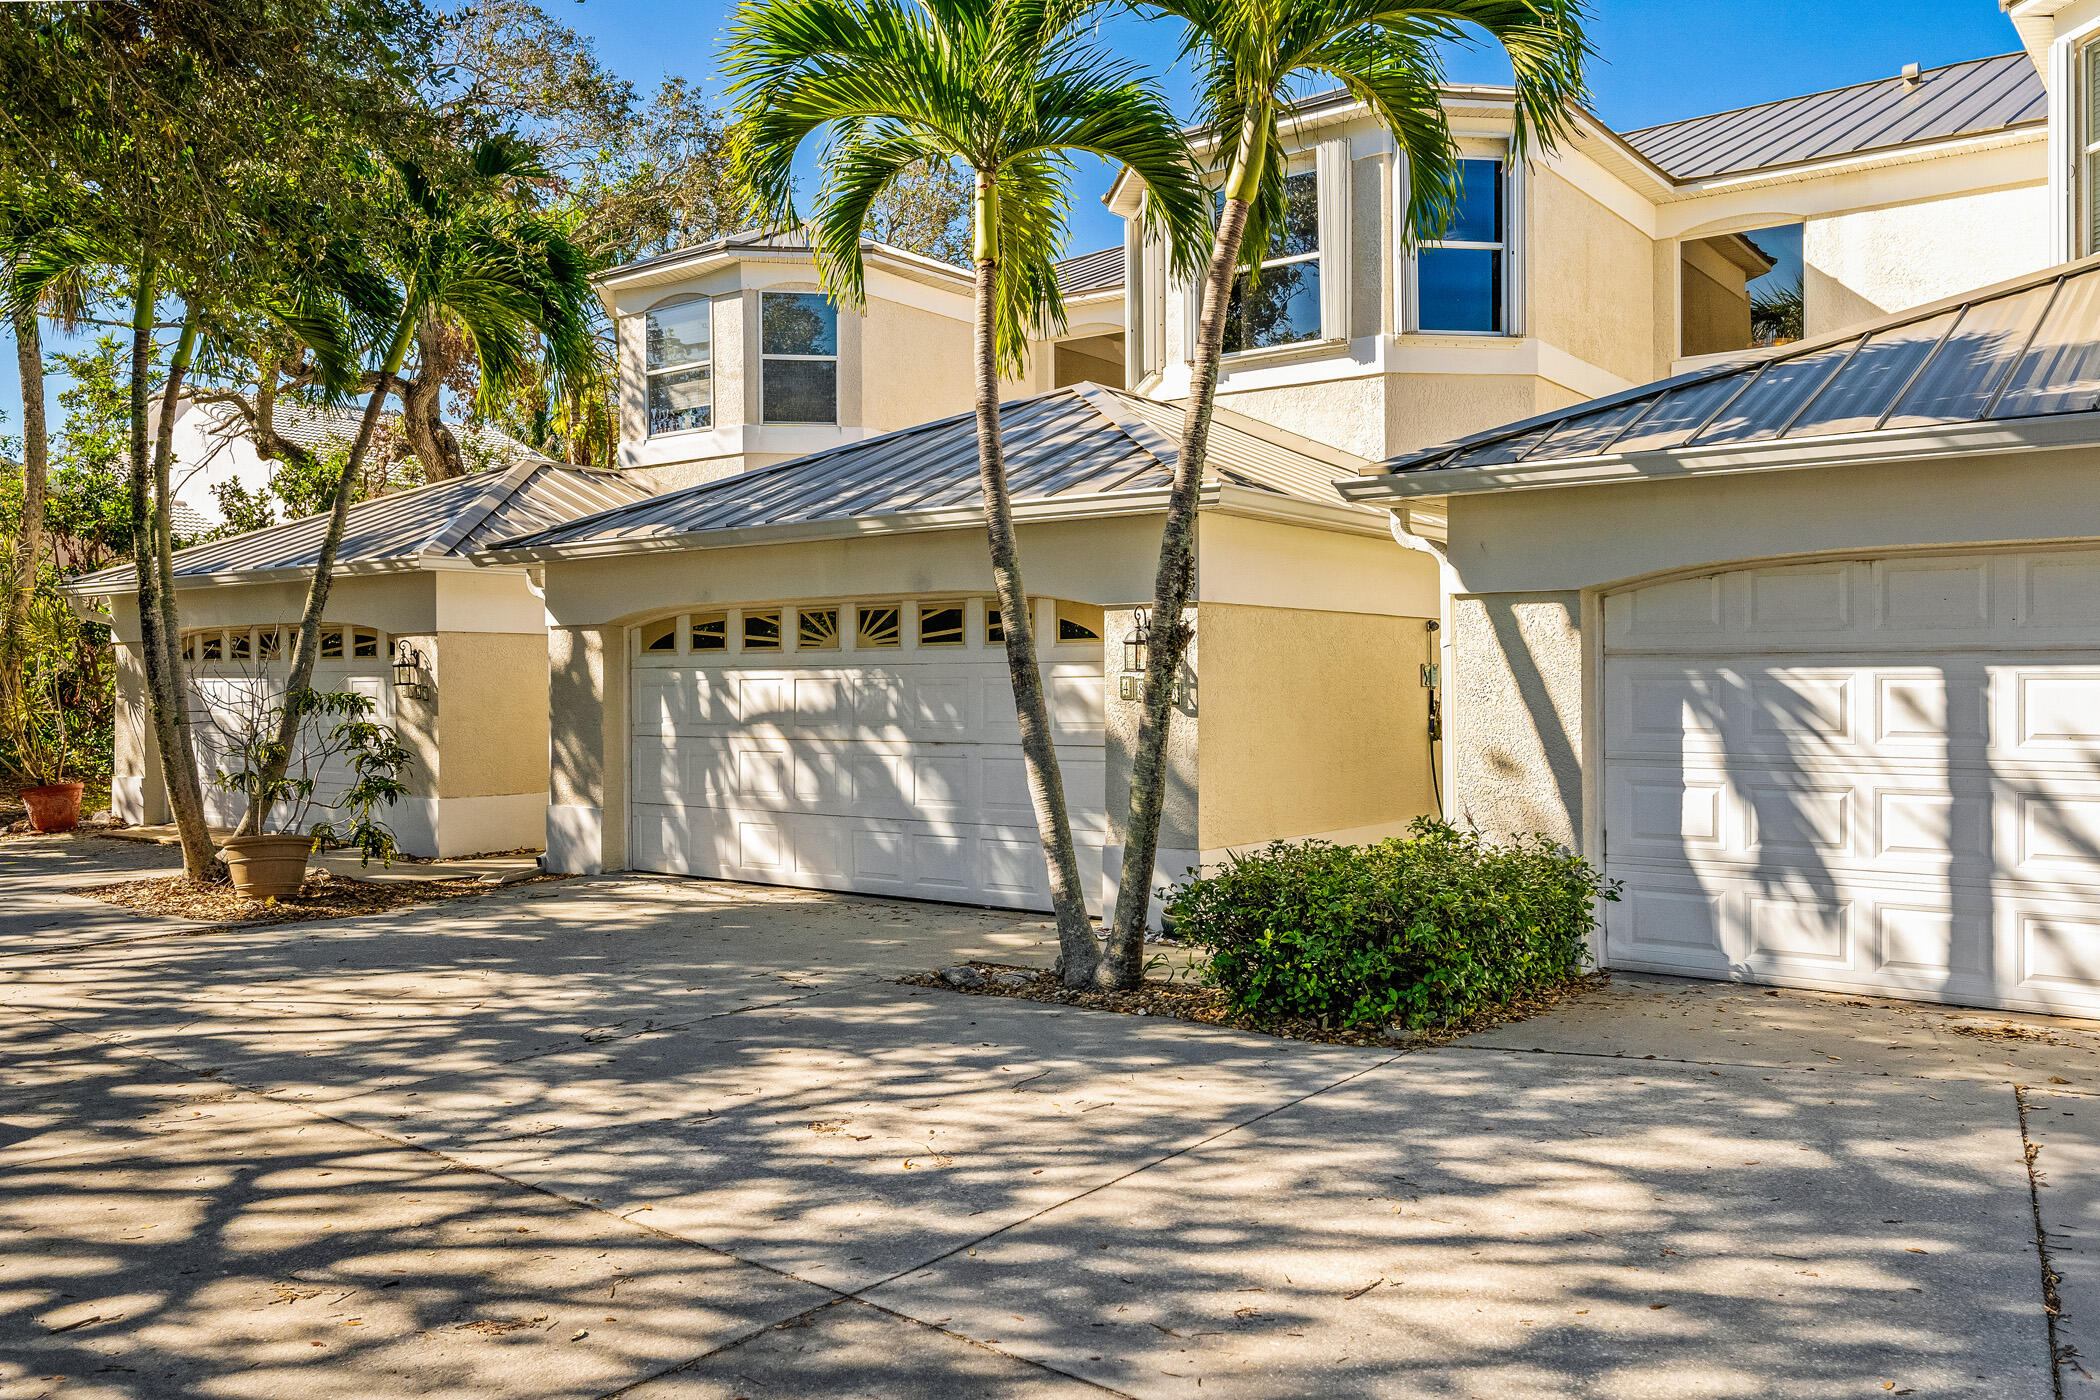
36 724
337 734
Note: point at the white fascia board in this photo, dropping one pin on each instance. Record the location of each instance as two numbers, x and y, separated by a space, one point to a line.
1228 499
2071 430
363 568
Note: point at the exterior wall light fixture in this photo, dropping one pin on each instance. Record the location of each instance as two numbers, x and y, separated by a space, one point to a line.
1137 653
409 672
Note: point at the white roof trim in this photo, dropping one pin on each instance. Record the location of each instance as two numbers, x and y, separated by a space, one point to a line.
1934 441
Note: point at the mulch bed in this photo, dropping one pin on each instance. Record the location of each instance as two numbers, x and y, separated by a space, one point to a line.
1191 1001
323 896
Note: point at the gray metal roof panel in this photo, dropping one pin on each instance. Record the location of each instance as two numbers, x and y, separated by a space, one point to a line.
1078 442
445 518
1100 271
1961 99
2026 348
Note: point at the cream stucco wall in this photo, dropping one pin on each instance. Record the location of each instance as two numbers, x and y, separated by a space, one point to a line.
1269 564
1345 413
915 366
1588 278
492 692
1312 723
1514 718
1865 263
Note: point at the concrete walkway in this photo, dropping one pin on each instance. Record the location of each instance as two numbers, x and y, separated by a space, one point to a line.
671 1140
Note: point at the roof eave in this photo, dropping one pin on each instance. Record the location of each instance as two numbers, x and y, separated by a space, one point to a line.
1934 441
410 564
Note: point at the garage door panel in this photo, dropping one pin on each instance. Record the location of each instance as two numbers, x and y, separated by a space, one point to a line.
1908 800
896 778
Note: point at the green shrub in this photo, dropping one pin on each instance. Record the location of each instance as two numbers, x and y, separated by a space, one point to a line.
1431 927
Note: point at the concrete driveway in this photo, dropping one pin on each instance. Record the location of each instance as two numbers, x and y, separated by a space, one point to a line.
682 1141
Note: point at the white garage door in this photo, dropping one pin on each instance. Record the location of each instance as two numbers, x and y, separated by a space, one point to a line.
1877 775
237 675
886 764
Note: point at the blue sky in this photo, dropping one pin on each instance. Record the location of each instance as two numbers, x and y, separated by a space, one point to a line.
1657 60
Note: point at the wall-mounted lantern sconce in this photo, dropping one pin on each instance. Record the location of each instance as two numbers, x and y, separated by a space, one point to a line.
1137 654
409 673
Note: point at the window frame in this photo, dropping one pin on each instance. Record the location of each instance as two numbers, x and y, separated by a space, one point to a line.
765 414
1307 166
1506 248
2083 142
650 373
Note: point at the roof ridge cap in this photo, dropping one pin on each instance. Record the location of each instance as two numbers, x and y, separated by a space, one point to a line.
449 535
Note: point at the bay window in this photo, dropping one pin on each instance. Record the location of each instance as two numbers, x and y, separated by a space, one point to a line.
1462 278
679 365
798 358
1282 305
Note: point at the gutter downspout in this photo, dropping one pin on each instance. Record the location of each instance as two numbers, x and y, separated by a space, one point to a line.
1447 585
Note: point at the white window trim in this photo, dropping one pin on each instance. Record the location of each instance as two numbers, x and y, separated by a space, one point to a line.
764 355
2084 150
1407 284
649 372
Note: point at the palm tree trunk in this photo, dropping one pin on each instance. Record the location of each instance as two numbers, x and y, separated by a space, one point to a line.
1177 567
306 645
36 466
167 698
1079 955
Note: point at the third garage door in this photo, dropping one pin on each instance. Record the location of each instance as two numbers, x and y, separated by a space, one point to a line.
1878 775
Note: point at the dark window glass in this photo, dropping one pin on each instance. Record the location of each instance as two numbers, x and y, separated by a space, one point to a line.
1301 217
818 629
711 632
941 625
661 636
799 323
1460 289
681 400
802 391
762 631
881 627
680 335
1282 308
1477 216
994 626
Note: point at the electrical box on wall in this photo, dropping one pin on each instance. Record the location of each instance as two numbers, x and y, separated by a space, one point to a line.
1432 675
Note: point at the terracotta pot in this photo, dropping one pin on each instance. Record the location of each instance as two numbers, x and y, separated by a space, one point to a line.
267 867
53 807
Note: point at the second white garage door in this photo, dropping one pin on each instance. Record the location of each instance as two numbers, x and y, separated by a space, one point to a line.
885 768
1875 775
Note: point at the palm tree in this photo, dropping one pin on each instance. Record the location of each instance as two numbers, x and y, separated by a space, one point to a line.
1008 90
467 256
1250 53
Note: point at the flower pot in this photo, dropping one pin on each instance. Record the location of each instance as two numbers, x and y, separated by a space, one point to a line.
53 807
267 867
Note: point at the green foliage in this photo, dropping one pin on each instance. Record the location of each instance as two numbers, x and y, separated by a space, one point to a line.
305 485
1777 314
1429 928
86 518
333 727
58 703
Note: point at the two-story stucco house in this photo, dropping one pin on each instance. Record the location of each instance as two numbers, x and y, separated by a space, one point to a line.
783 665
1804 644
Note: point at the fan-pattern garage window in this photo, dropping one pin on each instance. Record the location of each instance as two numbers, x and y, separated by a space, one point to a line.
661 636
940 624
711 631
1078 622
338 643
994 627
817 629
881 626
762 630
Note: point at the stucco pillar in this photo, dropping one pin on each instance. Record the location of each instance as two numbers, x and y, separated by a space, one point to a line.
587 758
138 790
1514 717
1180 844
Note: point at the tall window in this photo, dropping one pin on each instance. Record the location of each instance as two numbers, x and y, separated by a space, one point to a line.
2085 239
1282 307
681 394
1461 280
799 358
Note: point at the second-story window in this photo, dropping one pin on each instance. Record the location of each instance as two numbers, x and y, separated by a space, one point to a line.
1461 279
799 358
1282 307
679 355
2085 238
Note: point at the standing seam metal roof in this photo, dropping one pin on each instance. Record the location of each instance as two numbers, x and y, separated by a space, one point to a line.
447 518
1080 441
1100 271
1961 99
2023 349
